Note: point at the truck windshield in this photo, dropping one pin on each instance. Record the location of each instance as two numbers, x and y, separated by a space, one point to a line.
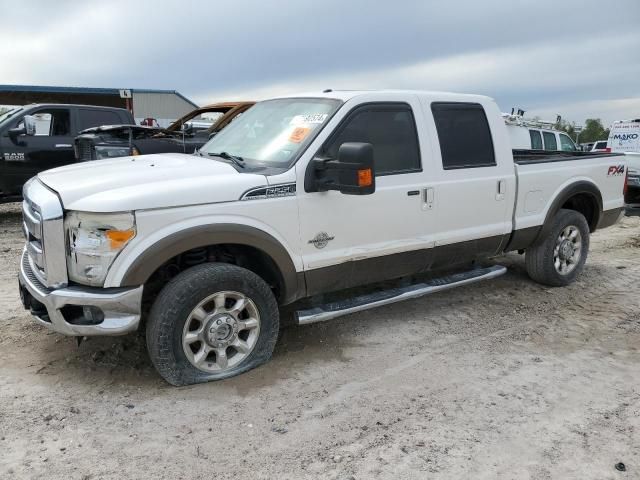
272 133
9 113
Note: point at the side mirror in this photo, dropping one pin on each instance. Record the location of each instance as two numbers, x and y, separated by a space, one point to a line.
28 128
353 172
29 125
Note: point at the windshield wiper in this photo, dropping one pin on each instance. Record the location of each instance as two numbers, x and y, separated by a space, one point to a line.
239 161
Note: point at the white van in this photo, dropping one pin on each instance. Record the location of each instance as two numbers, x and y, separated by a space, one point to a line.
624 136
534 135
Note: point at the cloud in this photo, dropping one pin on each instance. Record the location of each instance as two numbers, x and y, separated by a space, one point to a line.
533 54
515 78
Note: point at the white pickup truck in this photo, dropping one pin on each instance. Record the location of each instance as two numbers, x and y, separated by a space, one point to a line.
289 208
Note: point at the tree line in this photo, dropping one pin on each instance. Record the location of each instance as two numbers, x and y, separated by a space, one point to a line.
592 132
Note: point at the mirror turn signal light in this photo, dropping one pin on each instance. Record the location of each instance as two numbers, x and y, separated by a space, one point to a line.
365 177
119 238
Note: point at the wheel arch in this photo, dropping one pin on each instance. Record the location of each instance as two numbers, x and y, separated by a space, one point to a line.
582 196
238 237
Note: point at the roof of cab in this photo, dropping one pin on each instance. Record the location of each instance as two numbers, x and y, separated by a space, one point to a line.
346 95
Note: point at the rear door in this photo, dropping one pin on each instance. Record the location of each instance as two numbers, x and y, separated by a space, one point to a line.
473 184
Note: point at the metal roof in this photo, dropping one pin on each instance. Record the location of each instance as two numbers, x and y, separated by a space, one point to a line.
86 90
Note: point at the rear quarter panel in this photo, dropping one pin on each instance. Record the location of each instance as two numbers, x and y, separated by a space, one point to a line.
539 184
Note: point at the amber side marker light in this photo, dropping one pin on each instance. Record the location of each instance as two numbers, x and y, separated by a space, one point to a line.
118 238
135 152
365 178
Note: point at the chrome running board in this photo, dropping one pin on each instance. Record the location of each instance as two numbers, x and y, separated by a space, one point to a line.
333 310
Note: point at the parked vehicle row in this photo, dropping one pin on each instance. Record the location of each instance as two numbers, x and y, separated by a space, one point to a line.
535 135
185 135
288 208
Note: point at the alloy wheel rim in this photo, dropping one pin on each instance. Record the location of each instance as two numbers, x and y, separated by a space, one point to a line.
221 331
567 250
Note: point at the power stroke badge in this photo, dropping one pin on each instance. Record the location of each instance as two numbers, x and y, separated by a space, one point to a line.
321 240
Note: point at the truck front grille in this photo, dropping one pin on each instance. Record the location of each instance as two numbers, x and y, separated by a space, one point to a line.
42 225
84 150
32 228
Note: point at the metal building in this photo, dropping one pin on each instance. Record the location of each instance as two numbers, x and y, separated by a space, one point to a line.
162 105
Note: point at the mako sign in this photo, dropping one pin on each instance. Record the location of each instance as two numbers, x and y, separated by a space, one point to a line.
625 137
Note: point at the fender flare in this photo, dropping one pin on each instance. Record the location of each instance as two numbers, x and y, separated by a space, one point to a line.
577 188
217 234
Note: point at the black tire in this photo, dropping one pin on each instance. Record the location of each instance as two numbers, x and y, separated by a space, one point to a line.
539 257
180 297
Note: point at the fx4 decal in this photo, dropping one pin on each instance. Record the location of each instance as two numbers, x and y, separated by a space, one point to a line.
615 170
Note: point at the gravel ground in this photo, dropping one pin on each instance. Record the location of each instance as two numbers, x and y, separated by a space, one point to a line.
504 379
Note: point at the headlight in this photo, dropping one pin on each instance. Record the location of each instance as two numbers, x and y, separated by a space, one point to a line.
111 152
95 239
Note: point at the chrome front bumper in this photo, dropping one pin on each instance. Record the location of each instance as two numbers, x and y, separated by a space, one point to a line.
120 306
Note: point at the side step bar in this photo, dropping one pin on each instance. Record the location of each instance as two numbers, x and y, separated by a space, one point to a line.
333 310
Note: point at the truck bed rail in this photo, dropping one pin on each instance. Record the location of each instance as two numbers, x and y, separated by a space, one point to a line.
528 157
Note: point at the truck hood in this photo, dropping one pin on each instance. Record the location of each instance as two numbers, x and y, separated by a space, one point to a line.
148 181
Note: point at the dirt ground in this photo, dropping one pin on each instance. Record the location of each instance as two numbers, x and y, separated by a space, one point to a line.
504 379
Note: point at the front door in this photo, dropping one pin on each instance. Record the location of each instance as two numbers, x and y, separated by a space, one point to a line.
349 240
50 147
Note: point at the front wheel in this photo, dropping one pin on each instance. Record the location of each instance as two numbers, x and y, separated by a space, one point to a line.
558 259
210 322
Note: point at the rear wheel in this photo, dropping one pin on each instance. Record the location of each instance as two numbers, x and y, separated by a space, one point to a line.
211 322
558 259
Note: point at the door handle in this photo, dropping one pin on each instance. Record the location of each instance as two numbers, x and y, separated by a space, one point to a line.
63 145
429 196
501 190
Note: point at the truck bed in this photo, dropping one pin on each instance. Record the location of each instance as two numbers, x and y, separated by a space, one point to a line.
528 157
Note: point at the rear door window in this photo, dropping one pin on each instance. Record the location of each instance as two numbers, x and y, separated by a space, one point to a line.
88 118
550 142
464 135
536 140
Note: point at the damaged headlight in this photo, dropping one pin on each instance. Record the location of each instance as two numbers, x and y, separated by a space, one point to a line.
94 240
111 152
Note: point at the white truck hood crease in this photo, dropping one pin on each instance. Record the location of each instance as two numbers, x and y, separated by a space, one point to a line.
148 181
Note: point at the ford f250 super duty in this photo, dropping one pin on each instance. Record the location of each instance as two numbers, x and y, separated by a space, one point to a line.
289 209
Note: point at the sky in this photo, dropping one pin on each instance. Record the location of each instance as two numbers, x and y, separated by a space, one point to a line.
579 59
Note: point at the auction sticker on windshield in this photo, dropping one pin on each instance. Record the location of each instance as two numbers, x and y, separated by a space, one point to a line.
299 134
315 118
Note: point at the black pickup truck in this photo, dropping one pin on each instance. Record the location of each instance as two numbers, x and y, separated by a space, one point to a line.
38 137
